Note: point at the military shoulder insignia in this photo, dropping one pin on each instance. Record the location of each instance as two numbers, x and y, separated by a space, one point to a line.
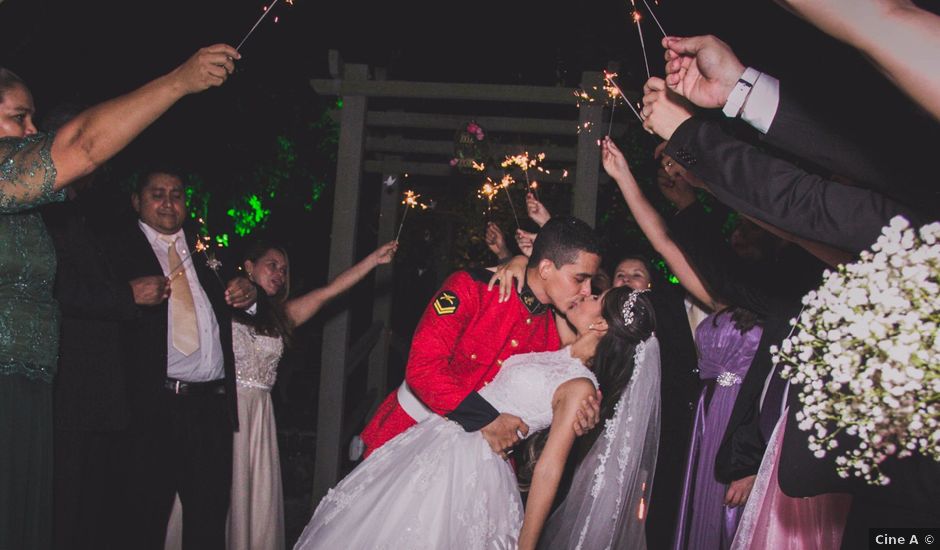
446 303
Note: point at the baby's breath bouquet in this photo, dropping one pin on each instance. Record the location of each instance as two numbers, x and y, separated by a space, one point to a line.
866 354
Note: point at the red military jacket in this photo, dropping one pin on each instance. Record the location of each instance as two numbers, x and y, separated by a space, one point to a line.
460 343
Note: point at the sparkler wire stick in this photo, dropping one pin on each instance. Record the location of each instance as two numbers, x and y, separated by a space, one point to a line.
639 29
402 222
613 105
511 205
258 22
649 9
625 100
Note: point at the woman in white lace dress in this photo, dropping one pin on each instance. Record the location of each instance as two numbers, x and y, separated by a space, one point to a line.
436 486
256 516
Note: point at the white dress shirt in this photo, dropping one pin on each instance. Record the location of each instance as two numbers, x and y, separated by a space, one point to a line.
207 362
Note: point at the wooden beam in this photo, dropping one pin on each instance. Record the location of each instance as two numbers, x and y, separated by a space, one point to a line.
431 121
444 170
342 250
398 144
448 91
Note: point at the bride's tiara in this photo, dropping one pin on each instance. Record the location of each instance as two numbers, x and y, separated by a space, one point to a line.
628 304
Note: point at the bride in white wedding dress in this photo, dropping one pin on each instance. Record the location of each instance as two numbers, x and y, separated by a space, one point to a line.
436 486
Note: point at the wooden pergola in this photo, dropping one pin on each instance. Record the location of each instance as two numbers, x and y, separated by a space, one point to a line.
387 153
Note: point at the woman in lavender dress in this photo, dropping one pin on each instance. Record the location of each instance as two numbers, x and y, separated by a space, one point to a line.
727 341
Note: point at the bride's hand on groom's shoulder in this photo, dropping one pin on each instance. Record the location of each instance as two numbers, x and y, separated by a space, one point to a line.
588 415
504 432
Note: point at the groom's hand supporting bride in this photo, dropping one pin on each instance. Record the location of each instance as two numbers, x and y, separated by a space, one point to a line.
588 414
504 432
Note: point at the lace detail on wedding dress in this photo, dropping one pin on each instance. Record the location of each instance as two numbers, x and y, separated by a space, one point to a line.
256 356
527 382
606 506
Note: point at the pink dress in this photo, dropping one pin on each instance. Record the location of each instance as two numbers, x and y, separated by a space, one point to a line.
773 520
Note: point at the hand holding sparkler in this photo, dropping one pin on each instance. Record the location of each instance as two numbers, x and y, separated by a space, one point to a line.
208 67
151 290
663 110
615 164
537 211
701 69
385 253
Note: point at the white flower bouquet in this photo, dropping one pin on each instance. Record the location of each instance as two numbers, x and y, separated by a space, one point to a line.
866 354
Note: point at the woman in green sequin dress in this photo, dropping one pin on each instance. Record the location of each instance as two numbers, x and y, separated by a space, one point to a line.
34 170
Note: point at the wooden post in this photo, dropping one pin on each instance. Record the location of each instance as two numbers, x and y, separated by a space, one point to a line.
384 278
342 253
590 119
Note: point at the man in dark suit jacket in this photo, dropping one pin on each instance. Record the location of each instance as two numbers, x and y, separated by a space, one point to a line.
90 397
181 375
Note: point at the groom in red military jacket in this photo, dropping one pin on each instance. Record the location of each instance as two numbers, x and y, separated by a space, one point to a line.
465 334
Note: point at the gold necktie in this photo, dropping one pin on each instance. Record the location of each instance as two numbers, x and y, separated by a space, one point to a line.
182 308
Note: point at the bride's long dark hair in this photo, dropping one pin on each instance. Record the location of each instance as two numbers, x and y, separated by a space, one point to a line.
613 364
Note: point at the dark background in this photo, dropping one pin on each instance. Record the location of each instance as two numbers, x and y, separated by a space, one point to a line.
266 134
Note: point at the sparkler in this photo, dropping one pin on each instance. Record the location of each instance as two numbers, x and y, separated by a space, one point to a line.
639 29
613 106
488 192
614 87
202 245
267 10
525 162
410 201
505 183
652 13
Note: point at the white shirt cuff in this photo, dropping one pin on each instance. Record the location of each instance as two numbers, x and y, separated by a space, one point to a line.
253 309
740 92
760 107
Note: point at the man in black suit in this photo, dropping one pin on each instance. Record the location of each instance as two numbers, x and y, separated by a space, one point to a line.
181 375
90 397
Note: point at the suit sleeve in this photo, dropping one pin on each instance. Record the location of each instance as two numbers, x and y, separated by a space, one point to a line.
798 132
773 190
429 372
94 299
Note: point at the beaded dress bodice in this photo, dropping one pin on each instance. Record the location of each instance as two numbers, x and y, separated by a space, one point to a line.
256 356
29 316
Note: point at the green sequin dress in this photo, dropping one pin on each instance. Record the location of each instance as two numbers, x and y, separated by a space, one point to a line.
29 342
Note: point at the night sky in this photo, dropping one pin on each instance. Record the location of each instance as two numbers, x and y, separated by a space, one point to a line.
88 51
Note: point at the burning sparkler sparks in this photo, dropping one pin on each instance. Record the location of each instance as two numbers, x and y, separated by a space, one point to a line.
614 90
410 201
267 10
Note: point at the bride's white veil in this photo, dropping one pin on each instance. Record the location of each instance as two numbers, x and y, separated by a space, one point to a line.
607 505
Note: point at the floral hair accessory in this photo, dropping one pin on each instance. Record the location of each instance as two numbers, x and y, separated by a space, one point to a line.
628 306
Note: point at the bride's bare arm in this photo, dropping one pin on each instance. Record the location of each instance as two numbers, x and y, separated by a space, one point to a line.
551 463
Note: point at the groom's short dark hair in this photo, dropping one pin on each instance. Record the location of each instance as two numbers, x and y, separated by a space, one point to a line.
560 240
